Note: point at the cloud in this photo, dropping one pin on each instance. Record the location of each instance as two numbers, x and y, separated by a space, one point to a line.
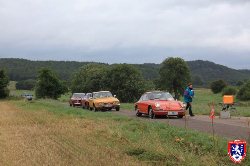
90 27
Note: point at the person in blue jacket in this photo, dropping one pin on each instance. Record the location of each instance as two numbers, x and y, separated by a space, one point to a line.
188 98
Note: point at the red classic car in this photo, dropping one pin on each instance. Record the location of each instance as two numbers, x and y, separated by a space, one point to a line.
76 99
159 103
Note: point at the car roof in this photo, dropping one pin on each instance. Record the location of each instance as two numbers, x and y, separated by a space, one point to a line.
78 93
155 91
101 91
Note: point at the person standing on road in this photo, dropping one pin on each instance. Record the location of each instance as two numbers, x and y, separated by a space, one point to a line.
188 98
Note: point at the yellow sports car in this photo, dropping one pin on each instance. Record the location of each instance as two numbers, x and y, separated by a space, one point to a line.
103 100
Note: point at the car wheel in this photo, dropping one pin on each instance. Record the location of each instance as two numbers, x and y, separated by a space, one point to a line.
95 109
138 112
87 106
70 105
90 108
151 113
117 108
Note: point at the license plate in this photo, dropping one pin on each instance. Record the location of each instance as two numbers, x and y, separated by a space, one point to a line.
172 113
108 105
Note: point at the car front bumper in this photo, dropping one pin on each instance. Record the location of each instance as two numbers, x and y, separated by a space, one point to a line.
108 106
170 113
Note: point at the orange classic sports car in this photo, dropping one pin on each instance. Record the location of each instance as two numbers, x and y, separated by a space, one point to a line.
103 100
159 103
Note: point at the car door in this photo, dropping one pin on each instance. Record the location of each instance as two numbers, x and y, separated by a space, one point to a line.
139 103
144 104
91 100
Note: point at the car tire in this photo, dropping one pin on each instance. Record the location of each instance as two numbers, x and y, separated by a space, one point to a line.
117 108
151 113
90 108
87 106
70 105
95 109
138 112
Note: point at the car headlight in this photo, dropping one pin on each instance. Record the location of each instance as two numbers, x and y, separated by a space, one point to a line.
100 104
157 105
116 102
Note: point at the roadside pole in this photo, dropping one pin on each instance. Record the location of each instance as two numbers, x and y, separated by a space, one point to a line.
248 125
212 116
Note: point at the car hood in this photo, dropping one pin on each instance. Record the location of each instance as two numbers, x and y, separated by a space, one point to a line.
106 100
169 105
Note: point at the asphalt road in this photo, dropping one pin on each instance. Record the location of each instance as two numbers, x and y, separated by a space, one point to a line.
234 128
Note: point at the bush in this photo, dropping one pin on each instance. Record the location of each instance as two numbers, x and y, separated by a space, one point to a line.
218 86
244 92
229 90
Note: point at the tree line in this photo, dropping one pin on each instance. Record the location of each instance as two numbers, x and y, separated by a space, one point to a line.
202 72
124 80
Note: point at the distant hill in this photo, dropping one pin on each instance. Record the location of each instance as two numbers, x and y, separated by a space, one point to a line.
203 72
22 69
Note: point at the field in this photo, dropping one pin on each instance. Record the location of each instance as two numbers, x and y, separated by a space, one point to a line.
49 132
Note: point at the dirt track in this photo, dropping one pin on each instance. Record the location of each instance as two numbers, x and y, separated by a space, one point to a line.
234 128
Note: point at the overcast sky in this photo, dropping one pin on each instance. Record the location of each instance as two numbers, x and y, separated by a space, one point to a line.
126 31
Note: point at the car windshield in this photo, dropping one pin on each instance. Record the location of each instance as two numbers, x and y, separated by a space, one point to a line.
79 95
88 95
160 96
102 94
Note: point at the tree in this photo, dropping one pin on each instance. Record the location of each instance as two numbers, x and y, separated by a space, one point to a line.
197 81
229 90
26 84
4 81
244 92
126 82
218 86
89 78
174 76
48 85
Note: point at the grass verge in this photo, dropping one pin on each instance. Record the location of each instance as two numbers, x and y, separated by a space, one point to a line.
149 143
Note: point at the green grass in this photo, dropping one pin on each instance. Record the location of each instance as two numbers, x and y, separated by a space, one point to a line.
151 143
127 106
14 93
205 96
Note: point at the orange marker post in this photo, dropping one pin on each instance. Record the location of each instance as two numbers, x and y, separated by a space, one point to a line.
212 116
